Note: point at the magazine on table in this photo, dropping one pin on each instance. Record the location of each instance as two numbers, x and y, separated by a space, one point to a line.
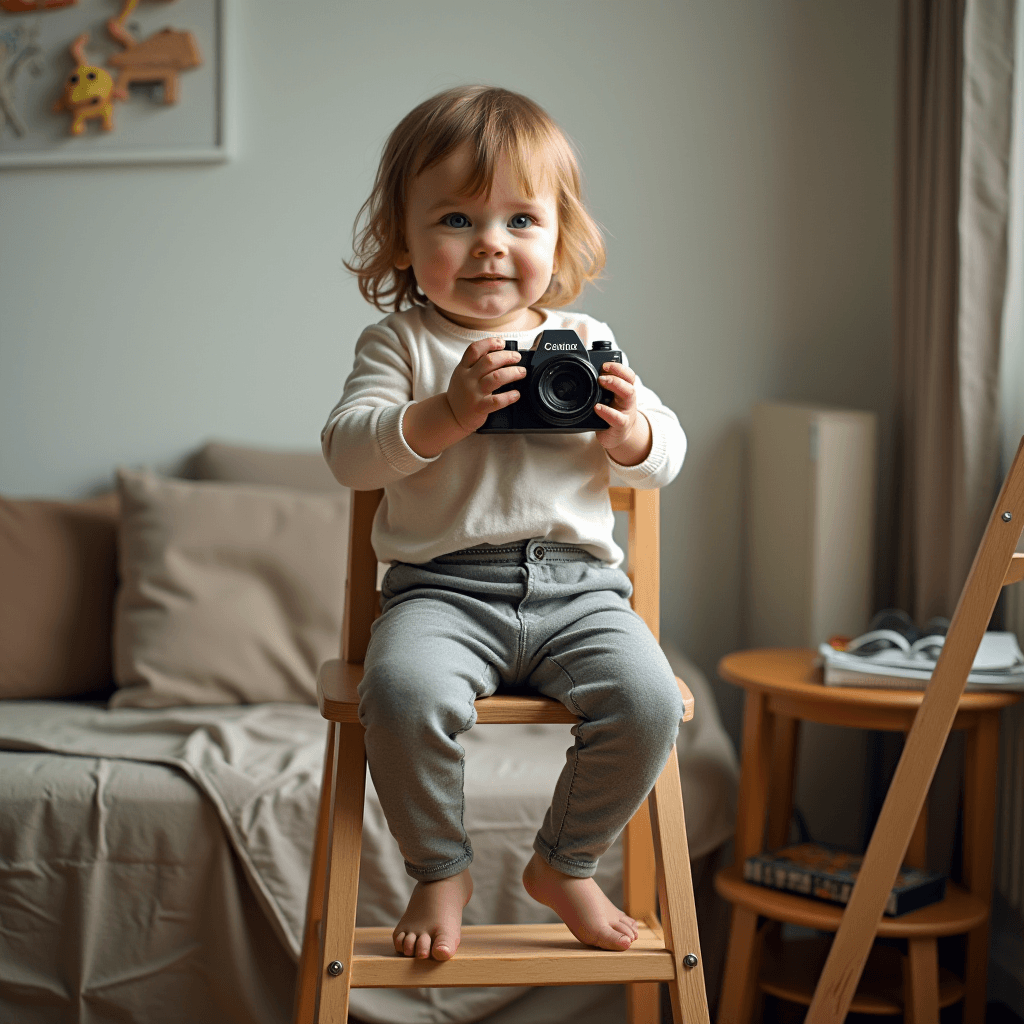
894 654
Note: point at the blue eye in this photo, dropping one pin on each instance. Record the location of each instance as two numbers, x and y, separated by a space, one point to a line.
456 220
521 220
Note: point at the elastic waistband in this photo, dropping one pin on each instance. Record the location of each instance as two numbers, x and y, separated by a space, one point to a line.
517 553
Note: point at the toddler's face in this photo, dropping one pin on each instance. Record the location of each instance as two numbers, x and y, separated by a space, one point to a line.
482 262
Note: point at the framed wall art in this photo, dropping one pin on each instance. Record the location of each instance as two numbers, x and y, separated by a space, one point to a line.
112 82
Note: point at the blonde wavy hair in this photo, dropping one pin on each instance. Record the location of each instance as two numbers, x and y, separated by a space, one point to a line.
494 122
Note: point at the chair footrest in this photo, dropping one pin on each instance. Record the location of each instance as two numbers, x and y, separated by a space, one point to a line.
535 954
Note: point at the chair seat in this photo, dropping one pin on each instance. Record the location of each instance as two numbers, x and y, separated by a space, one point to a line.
532 954
338 680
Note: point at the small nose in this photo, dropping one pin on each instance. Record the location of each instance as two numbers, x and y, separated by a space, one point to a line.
490 242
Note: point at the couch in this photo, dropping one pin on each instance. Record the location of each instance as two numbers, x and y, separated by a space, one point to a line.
160 758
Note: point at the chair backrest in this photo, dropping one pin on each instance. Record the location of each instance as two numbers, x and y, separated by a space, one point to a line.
995 565
362 600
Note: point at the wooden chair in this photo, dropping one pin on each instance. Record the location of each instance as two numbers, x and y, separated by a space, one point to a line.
337 955
995 565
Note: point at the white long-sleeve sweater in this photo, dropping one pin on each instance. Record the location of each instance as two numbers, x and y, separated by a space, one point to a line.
487 488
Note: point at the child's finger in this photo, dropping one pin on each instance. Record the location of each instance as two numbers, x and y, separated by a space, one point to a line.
499 401
491 361
503 375
618 370
479 349
611 416
617 386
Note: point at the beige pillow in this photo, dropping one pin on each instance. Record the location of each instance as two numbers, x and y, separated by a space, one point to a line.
57 575
229 593
237 464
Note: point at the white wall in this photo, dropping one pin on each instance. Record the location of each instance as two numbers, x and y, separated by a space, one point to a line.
739 155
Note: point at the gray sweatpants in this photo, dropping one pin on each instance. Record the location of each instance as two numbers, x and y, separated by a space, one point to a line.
529 616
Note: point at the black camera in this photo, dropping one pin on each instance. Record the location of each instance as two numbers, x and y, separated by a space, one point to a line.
560 389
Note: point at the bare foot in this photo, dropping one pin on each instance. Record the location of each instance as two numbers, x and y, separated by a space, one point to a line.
581 904
432 922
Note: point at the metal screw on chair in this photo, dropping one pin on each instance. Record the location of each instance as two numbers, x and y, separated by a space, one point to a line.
335 967
690 960
1007 516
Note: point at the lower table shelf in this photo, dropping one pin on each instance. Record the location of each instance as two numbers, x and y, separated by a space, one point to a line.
790 969
958 913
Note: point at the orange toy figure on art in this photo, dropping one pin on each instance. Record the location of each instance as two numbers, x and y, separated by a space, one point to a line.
157 59
88 92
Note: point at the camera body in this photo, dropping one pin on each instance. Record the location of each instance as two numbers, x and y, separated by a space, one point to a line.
560 389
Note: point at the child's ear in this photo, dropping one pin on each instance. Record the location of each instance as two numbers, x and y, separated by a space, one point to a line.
402 259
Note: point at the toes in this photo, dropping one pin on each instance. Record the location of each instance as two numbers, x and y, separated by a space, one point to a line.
446 943
423 947
620 935
398 938
409 944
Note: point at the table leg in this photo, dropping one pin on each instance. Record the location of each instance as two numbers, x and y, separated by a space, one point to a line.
917 850
981 772
755 773
921 982
742 967
739 983
786 736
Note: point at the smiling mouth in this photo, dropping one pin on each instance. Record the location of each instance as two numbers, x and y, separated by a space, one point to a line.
487 279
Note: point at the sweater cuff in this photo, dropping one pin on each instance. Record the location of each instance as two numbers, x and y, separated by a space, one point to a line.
393 445
634 476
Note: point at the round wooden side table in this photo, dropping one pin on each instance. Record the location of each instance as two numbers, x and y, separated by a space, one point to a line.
784 687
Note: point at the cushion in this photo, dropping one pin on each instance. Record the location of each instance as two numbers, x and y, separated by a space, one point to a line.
303 470
57 579
229 593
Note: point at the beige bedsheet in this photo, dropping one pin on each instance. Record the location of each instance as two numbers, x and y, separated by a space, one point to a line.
114 803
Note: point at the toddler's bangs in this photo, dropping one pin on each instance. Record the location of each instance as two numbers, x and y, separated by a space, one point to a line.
495 131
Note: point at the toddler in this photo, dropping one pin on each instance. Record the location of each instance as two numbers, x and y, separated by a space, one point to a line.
503 570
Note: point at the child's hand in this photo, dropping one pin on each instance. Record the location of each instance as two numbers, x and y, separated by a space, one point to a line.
485 366
628 437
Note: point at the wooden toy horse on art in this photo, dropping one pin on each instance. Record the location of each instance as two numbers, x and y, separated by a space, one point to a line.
158 59
88 91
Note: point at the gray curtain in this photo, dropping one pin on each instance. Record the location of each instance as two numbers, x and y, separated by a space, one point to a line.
954 119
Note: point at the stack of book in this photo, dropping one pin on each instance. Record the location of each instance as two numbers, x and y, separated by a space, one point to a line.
895 659
827 873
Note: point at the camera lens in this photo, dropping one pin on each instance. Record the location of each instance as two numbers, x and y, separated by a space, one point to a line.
565 391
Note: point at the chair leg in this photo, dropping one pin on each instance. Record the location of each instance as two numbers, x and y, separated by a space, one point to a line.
640 900
921 982
305 986
342 886
675 889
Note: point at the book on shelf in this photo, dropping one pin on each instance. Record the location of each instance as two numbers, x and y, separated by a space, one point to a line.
998 665
828 873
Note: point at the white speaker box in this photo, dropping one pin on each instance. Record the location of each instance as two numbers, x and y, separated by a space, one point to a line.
811 524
